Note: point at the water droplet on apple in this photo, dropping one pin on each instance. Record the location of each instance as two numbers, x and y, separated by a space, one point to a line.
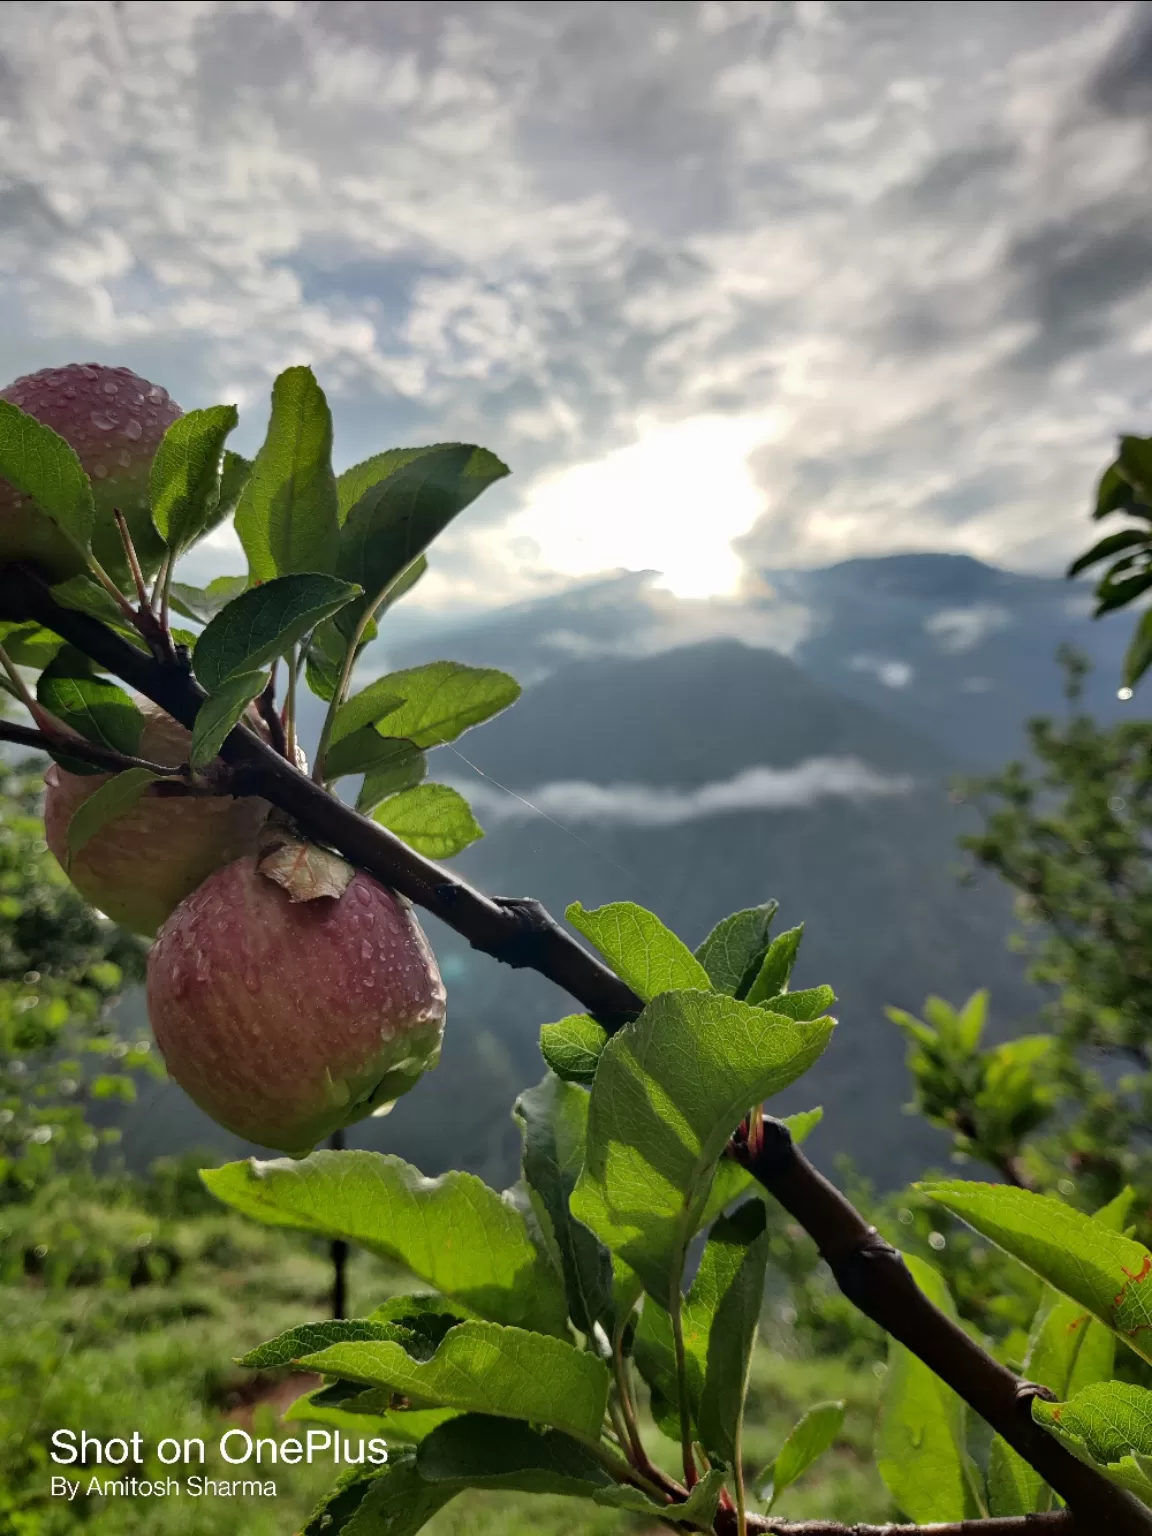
132 428
100 471
101 422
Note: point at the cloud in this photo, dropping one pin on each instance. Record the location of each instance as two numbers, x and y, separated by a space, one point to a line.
893 674
901 239
962 629
642 805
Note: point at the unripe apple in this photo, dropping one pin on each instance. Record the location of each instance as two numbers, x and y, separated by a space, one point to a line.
286 1020
138 868
114 421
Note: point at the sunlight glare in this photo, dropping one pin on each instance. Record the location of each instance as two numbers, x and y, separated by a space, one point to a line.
672 502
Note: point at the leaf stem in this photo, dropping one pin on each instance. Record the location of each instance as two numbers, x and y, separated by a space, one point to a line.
675 1312
738 1477
627 1407
160 583
112 589
338 696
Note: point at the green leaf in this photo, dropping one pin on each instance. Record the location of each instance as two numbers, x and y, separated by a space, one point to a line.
203 603
808 1004
392 1500
698 1511
1139 653
553 1120
94 709
311 1338
1135 461
29 645
220 711
38 462
772 977
434 819
720 1322
1067 1349
1108 1425
185 477
353 483
453 1231
1079 1256
1112 544
233 478
362 1411
478 1367
105 804
1111 595
669 1090
444 699
83 595
1116 493
734 951
638 947
814 1434
263 623
395 518
719 1318
572 1047
367 708
398 767
365 751
921 1449
286 517
483 1451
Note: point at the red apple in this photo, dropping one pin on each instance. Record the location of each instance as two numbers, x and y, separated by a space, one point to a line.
114 420
286 1020
138 868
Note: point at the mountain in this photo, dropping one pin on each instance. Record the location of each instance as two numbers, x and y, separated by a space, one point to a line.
696 780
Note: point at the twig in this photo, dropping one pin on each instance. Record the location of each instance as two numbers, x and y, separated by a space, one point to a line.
85 751
521 933
1061 1523
266 708
874 1277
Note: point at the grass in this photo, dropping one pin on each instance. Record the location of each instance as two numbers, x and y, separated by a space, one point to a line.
114 1357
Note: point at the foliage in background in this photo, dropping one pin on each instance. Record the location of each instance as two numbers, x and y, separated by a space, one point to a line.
61 968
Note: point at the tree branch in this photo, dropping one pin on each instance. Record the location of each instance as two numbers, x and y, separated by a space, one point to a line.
1062 1523
516 931
521 933
874 1277
84 751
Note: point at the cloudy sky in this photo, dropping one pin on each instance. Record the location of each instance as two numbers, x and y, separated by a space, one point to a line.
818 278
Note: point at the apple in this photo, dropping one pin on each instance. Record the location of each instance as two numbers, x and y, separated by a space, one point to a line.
138 868
114 420
285 1019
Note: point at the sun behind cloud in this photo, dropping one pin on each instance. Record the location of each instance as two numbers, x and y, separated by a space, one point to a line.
672 501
